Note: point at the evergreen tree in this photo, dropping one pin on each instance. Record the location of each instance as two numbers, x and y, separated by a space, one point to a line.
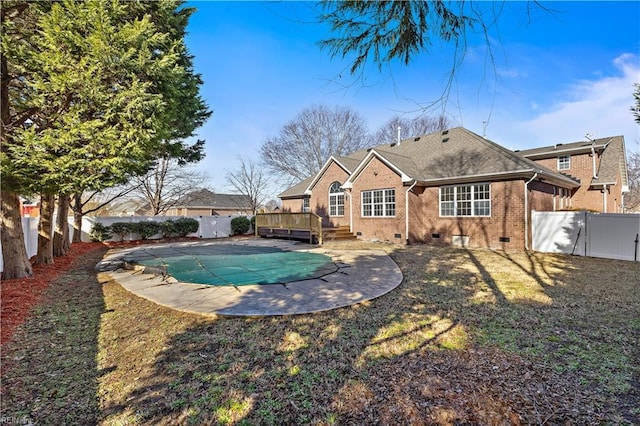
89 100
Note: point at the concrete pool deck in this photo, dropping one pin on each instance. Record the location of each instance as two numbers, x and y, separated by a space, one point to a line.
362 275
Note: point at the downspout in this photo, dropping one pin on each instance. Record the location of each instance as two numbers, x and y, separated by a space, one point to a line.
406 211
526 211
604 198
348 193
593 160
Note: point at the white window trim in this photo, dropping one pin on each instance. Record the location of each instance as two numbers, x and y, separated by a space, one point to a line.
385 203
336 196
455 204
306 205
567 164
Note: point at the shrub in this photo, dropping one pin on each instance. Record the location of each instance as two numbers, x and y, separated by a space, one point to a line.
99 232
185 226
253 222
146 229
240 225
121 229
168 228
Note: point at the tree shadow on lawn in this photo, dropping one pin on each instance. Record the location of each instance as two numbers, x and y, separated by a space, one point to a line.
50 372
464 339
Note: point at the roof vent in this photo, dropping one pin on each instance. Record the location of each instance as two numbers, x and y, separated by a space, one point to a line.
445 139
417 139
445 132
557 145
516 150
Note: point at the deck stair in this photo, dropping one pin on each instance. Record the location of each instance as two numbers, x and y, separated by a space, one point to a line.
341 233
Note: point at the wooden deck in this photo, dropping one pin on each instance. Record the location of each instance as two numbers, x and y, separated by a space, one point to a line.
296 226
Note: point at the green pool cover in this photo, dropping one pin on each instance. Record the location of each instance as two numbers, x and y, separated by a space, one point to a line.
222 265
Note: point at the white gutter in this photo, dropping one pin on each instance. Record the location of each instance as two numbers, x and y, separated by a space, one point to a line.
526 211
604 198
406 211
557 179
556 152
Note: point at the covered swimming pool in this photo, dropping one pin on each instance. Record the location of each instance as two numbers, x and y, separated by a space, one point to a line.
237 265
240 275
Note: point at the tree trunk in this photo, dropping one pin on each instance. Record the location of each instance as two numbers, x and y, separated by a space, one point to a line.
14 251
45 230
61 243
77 218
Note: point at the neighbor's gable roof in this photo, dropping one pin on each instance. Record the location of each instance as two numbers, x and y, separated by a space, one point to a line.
204 198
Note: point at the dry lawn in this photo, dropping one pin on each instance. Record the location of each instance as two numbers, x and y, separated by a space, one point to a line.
469 337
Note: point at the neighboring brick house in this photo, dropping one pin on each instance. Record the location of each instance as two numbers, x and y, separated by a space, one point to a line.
206 203
600 165
452 186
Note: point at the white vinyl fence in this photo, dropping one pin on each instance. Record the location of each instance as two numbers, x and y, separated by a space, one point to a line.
210 227
606 235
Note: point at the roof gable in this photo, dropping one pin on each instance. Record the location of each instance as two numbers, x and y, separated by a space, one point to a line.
323 170
388 162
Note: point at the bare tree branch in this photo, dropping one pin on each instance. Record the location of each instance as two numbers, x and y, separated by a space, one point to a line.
251 181
409 128
163 186
307 141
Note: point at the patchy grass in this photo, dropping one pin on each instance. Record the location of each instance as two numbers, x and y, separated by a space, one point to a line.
470 336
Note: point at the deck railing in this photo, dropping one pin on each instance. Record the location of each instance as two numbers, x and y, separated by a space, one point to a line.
291 222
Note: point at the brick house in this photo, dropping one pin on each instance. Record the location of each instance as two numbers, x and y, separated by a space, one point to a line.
452 187
600 165
206 203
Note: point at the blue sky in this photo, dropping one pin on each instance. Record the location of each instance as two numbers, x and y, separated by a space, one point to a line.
555 76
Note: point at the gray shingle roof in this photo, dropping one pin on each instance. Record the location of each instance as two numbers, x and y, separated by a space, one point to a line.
612 163
455 154
207 199
297 190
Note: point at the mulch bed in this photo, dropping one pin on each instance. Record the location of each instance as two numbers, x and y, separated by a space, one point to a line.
19 296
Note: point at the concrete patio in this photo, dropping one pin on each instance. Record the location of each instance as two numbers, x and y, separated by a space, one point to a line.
361 275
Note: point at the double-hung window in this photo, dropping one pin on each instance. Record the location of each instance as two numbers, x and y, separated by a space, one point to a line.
465 200
336 200
564 162
305 205
379 203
